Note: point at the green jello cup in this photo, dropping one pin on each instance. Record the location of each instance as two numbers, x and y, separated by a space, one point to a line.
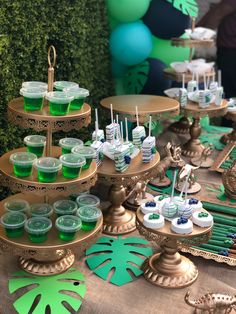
68 143
61 85
74 196
65 207
48 168
35 84
22 163
33 98
37 229
79 95
41 210
89 216
67 227
17 205
87 152
13 222
88 200
72 165
59 103
35 144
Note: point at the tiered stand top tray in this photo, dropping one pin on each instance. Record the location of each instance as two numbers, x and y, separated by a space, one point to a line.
192 43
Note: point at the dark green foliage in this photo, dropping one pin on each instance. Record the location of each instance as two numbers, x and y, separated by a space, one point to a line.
79 31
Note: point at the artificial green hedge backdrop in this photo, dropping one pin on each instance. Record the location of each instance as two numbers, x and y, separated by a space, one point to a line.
79 31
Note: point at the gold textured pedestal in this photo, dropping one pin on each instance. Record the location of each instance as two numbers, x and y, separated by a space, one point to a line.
169 269
53 256
118 220
193 147
230 137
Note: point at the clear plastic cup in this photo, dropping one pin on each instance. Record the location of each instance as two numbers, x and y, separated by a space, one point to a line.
22 163
41 210
48 168
79 95
74 196
67 227
65 207
61 85
33 97
72 165
35 144
59 103
17 205
85 151
68 143
89 216
88 200
35 84
13 222
38 228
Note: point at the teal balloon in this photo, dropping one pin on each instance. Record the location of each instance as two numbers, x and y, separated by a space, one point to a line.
131 43
127 10
164 51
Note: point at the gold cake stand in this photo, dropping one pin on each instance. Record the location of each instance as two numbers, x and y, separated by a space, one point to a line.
230 137
169 269
193 147
118 220
51 257
157 106
170 74
192 43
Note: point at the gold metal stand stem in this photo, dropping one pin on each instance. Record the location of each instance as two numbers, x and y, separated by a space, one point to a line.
181 127
46 266
169 269
194 147
118 220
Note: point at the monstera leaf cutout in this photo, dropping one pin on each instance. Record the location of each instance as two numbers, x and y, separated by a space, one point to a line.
136 78
122 256
48 294
188 7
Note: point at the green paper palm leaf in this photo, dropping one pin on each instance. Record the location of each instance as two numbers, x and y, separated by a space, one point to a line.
136 78
188 7
46 294
122 256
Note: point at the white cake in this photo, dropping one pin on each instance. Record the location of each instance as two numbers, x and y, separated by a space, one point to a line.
182 228
131 147
148 147
111 130
147 209
98 146
169 209
178 201
100 135
153 221
120 158
202 219
160 200
185 211
138 134
195 204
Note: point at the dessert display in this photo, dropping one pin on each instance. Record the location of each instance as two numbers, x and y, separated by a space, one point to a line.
72 165
47 168
61 85
13 223
111 128
89 216
33 97
65 207
79 95
35 144
87 199
68 143
138 133
59 103
195 204
17 205
38 228
202 219
23 163
182 225
41 209
67 227
153 221
149 145
86 152
149 207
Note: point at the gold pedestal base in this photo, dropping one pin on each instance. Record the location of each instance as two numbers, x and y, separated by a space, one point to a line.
118 221
207 163
159 184
229 138
179 272
181 127
47 268
193 148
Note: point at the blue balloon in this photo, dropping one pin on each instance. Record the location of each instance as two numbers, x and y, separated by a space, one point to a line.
131 43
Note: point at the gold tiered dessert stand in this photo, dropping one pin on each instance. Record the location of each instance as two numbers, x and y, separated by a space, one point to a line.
193 147
53 256
169 269
230 137
118 220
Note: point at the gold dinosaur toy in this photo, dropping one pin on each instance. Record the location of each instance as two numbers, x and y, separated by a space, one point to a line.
213 303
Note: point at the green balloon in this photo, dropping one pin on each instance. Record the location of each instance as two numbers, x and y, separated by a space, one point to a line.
163 50
127 10
113 22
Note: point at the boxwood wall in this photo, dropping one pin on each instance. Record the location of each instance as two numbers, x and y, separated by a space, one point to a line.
79 31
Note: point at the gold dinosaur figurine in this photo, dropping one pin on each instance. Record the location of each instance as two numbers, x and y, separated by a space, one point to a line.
229 181
213 303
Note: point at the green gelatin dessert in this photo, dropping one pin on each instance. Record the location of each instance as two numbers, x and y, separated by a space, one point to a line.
59 103
68 143
41 209
77 104
87 152
79 97
48 168
33 97
35 84
89 216
38 228
67 227
35 144
17 205
23 163
72 165
65 207
88 200
61 85
13 222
